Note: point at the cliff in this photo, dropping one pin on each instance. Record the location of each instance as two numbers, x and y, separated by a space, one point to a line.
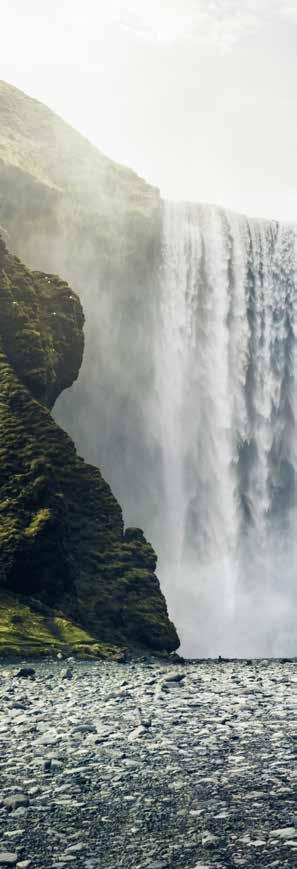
66 208
62 540
55 178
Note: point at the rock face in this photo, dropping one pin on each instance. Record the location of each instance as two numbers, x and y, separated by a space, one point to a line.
68 209
61 529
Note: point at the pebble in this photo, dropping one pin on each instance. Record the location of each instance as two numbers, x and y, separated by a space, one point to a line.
285 833
16 801
8 859
137 733
158 864
67 674
76 848
150 769
209 840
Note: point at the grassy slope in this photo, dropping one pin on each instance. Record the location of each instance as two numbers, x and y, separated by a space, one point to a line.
27 632
36 141
60 194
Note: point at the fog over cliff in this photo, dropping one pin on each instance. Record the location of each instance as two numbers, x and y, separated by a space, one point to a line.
187 394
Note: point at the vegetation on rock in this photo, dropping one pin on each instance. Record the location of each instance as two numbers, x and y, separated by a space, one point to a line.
61 529
65 207
29 629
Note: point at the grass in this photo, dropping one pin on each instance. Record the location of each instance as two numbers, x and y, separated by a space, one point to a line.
25 632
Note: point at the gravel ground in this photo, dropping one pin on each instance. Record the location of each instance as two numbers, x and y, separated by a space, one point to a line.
148 765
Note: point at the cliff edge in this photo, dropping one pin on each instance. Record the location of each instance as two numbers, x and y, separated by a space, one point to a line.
63 549
67 208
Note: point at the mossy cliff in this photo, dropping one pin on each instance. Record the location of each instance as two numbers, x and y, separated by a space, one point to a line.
62 539
66 207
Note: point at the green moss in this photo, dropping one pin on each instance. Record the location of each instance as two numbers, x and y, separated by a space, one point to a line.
27 632
38 522
41 329
61 529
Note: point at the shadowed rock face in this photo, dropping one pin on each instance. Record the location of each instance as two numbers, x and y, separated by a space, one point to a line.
61 529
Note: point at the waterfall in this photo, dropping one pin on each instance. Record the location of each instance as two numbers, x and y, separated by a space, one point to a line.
225 354
188 403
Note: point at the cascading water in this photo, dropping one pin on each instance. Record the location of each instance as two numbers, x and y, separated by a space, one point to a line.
188 403
226 366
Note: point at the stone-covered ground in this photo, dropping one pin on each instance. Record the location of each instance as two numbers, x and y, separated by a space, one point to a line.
148 766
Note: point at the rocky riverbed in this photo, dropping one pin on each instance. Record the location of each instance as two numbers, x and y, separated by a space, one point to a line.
148 766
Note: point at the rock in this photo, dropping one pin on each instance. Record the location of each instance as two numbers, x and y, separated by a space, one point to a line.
24 864
75 849
121 657
175 658
285 833
17 801
67 674
50 737
137 733
8 859
85 728
202 866
176 677
157 864
46 494
170 780
25 673
145 722
209 840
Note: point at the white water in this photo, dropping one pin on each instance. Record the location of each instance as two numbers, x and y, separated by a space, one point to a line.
226 365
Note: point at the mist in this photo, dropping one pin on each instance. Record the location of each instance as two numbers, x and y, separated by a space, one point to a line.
186 398
225 352
187 401
187 395
199 97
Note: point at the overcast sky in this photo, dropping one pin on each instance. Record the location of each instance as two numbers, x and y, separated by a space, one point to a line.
198 96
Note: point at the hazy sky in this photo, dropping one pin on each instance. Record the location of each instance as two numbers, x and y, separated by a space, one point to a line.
198 96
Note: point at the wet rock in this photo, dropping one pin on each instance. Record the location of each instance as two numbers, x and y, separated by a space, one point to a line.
25 673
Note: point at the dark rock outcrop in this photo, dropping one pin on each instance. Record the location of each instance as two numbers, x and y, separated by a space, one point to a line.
62 539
